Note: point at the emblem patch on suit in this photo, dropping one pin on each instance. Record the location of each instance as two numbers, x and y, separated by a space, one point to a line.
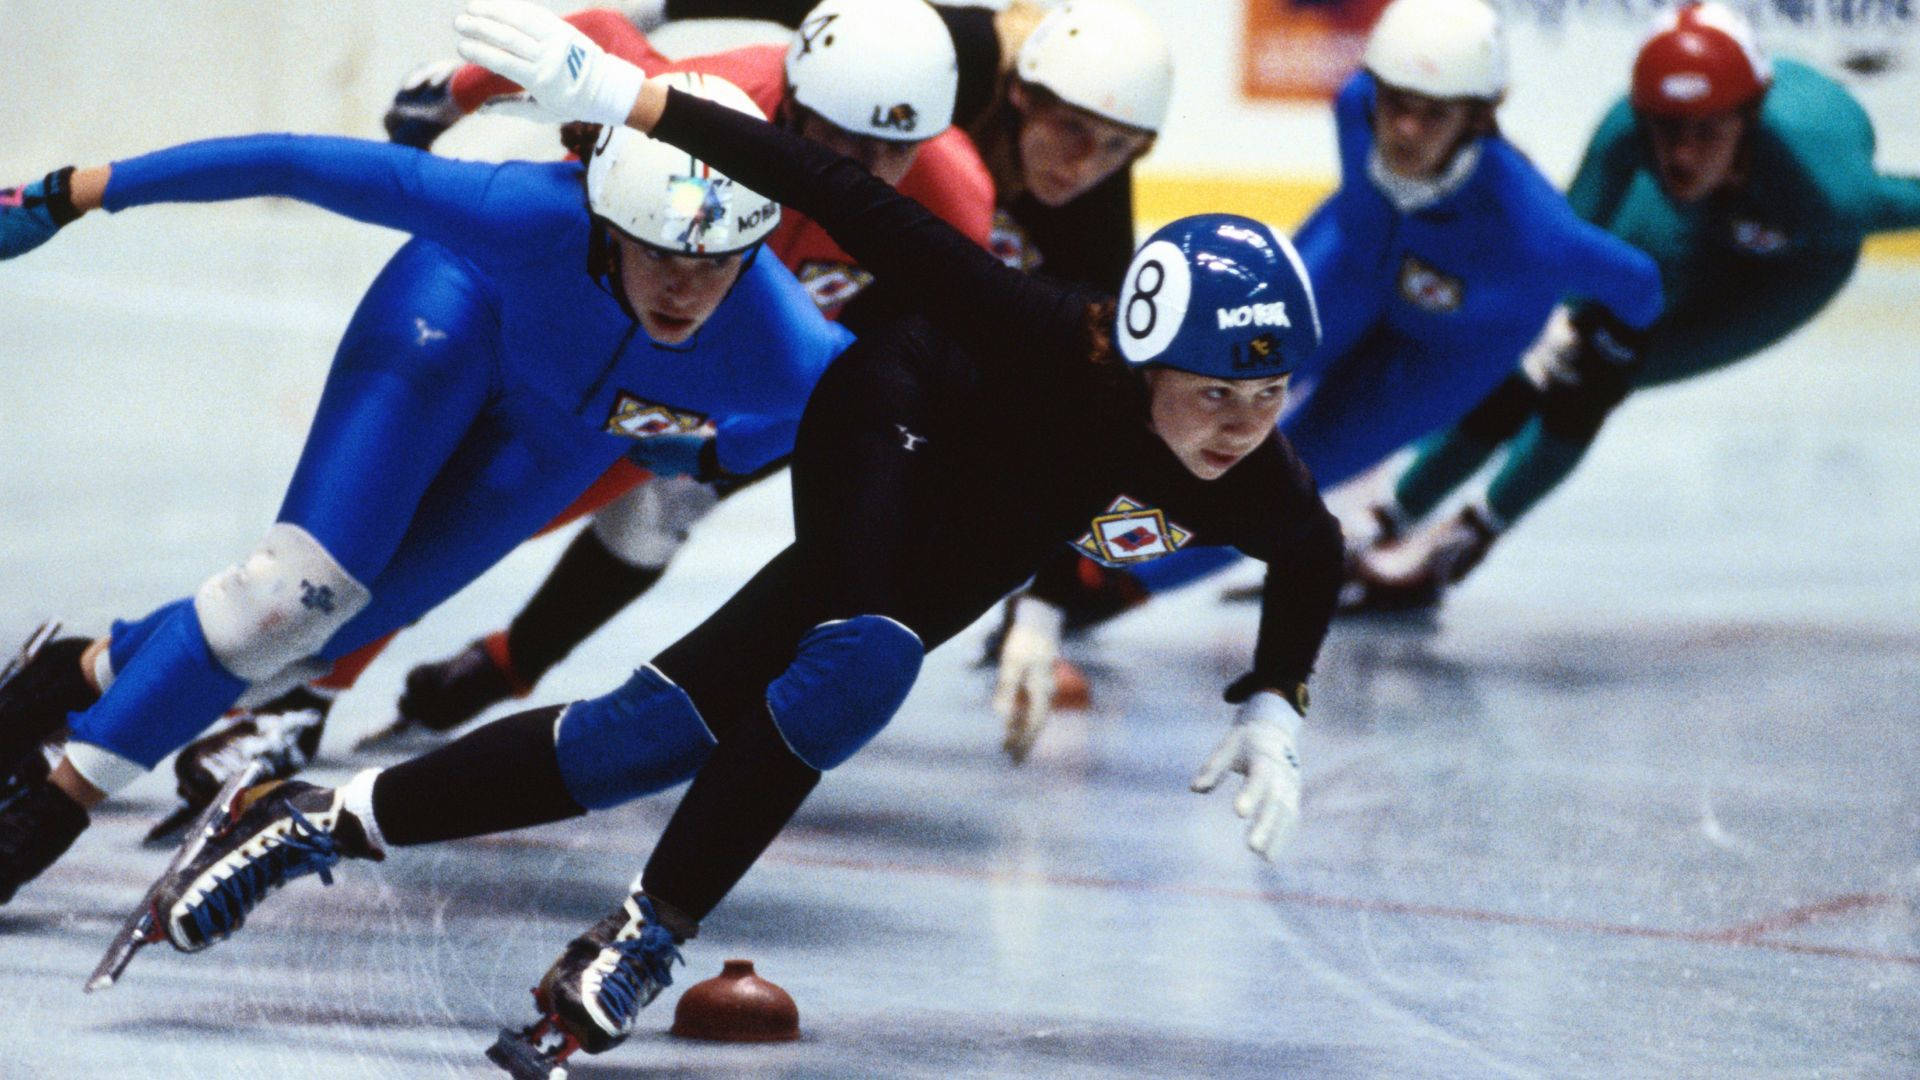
1429 289
638 418
830 283
1754 238
1131 532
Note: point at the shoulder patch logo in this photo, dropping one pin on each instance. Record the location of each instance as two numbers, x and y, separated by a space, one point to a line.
1009 242
1429 289
638 418
1131 532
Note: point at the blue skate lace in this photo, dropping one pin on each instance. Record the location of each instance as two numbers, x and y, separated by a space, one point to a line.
647 958
304 850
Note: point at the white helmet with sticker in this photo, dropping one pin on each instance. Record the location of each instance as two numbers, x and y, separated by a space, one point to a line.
884 69
666 198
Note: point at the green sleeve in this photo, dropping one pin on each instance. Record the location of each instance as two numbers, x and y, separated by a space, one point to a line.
1611 158
1830 137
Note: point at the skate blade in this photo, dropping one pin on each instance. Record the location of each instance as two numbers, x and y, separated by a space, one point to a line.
513 1052
142 928
35 642
168 828
395 732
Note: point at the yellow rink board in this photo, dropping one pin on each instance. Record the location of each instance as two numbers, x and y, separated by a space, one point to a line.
1285 201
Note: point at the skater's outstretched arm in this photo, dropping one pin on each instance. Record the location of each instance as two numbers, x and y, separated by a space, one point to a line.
498 213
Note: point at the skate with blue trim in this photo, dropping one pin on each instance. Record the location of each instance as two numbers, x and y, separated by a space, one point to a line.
250 841
589 998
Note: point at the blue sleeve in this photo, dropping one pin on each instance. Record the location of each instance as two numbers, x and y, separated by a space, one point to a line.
1597 265
1341 264
496 213
747 444
1353 127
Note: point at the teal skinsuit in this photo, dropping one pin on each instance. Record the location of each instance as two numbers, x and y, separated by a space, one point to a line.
1742 269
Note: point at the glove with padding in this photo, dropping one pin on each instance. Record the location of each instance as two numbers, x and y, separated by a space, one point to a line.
31 213
1023 690
562 70
1260 746
423 108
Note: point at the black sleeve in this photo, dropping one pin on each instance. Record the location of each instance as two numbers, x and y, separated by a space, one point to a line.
1089 241
975 43
1302 548
1003 317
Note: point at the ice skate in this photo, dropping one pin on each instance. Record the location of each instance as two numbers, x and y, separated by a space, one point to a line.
283 735
1411 575
445 694
250 841
591 995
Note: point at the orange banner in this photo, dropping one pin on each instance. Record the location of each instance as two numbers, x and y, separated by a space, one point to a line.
1302 50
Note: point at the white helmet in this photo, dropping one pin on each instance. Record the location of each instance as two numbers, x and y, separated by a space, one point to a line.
666 198
1440 48
884 69
1104 56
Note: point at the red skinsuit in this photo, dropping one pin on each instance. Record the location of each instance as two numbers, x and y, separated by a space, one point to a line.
947 178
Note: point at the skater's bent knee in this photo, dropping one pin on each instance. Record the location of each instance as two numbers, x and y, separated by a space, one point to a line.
279 606
846 682
642 738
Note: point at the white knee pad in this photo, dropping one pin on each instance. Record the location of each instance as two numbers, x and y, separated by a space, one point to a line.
279 606
644 527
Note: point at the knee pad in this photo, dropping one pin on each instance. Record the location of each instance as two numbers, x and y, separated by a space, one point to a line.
644 527
642 738
847 681
1501 414
1575 412
279 606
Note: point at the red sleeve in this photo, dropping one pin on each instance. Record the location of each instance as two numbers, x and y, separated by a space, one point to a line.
474 86
949 179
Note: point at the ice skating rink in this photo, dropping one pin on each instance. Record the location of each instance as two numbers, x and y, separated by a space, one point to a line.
1641 802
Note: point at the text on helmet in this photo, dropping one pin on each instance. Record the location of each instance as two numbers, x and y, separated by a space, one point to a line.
1274 314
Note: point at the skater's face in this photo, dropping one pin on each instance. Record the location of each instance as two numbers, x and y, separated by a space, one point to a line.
1065 151
1417 134
1210 424
883 158
1696 155
674 294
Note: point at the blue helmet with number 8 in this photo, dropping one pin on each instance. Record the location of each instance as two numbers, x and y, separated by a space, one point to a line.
1218 295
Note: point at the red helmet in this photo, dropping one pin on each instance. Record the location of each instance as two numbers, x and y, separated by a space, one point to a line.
1701 59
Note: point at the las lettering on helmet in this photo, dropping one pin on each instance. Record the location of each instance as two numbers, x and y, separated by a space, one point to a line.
1217 295
668 199
1447 49
1699 59
1104 56
882 69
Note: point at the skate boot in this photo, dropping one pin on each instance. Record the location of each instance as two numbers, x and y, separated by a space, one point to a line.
273 833
443 695
39 687
38 823
593 993
1412 575
283 735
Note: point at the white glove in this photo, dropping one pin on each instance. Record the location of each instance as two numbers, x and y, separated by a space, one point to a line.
1023 693
561 68
1551 355
1260 746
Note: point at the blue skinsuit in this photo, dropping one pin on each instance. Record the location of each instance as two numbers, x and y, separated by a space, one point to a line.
1423 313
473 396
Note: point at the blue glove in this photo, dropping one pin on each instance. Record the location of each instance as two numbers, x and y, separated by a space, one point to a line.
685 454
31 214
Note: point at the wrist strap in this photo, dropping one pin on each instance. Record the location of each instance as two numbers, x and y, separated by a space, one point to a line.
57 190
